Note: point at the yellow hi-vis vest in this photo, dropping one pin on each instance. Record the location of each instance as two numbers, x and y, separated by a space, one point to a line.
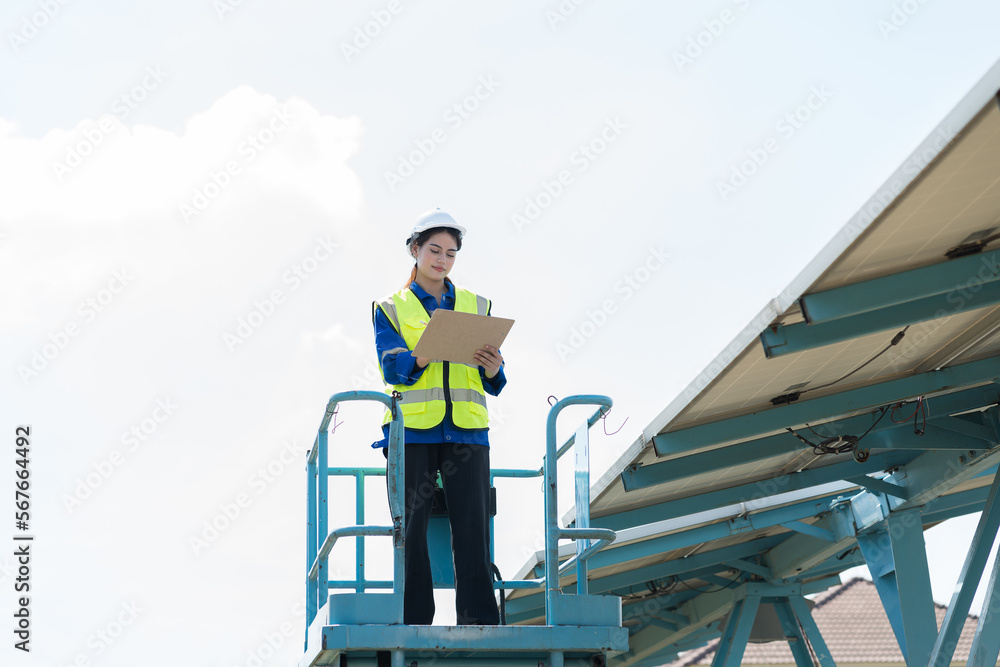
424 402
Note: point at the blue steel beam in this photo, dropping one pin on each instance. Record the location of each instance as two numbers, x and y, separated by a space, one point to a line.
789 338
880 486
762 488
706 533
986 640
934 437
927 478
954 504
743 565
897 560
749 520
898 288
737 633
906 533
969 578
937 409
934 474
808 623
834 565
809 529
767 421
709 608
793 634
528 606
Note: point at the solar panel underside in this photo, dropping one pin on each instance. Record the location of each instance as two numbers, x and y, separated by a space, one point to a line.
722 454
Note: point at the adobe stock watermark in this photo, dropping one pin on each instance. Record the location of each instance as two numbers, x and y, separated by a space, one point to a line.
290 456
561 12
962 294
703 40
270 643
121 108
370 30
32 24
132 439
224 7
8 569
58 340
248 150
454 117
102 639
900 15
916 163
787 127
626 287
265 308
581 159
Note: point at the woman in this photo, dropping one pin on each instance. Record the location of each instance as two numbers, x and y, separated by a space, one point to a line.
444 410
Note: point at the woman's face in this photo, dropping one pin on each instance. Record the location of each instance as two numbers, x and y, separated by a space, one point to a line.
436 257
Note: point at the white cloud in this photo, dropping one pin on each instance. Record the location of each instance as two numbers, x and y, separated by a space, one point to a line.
123 203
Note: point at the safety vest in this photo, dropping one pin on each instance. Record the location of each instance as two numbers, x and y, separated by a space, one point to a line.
425 401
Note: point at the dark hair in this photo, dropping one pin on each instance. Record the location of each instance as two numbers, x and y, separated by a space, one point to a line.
422 238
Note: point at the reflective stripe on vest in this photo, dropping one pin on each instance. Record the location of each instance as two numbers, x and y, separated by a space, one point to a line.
424 402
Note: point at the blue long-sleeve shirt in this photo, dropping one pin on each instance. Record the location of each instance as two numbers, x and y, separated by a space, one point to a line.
400 367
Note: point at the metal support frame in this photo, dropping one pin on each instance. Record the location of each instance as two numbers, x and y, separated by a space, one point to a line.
737 632
788 338
968 579
938 409
986 641
899 288
811 630
851 401
897 560
793 634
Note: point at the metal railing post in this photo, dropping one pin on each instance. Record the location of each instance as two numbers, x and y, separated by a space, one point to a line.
552 529
319 540
395 478
359 518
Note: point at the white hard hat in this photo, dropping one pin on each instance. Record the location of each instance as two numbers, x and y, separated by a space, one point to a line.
432 219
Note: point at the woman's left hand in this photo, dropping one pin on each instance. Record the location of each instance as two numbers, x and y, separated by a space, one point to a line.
489 358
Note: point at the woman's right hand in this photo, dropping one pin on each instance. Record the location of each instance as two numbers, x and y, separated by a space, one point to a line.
423 361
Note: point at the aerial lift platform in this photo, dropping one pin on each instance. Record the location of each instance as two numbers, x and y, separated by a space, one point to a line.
364 628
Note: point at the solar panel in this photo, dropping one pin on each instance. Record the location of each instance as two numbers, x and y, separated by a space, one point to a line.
725 488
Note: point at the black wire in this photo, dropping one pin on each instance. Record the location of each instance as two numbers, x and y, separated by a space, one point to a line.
884 408
850 442
503 606
699 590
895 340
922 411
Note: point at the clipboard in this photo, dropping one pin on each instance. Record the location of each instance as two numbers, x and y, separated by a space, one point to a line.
455 336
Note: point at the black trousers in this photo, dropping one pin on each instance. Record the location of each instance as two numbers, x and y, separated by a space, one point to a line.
465 473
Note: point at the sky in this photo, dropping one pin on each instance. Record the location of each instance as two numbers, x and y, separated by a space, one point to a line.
200 200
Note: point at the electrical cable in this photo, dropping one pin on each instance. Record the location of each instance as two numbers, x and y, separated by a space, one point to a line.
698 590
908 418
795 395
895 341
922 411
839 444
503 598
